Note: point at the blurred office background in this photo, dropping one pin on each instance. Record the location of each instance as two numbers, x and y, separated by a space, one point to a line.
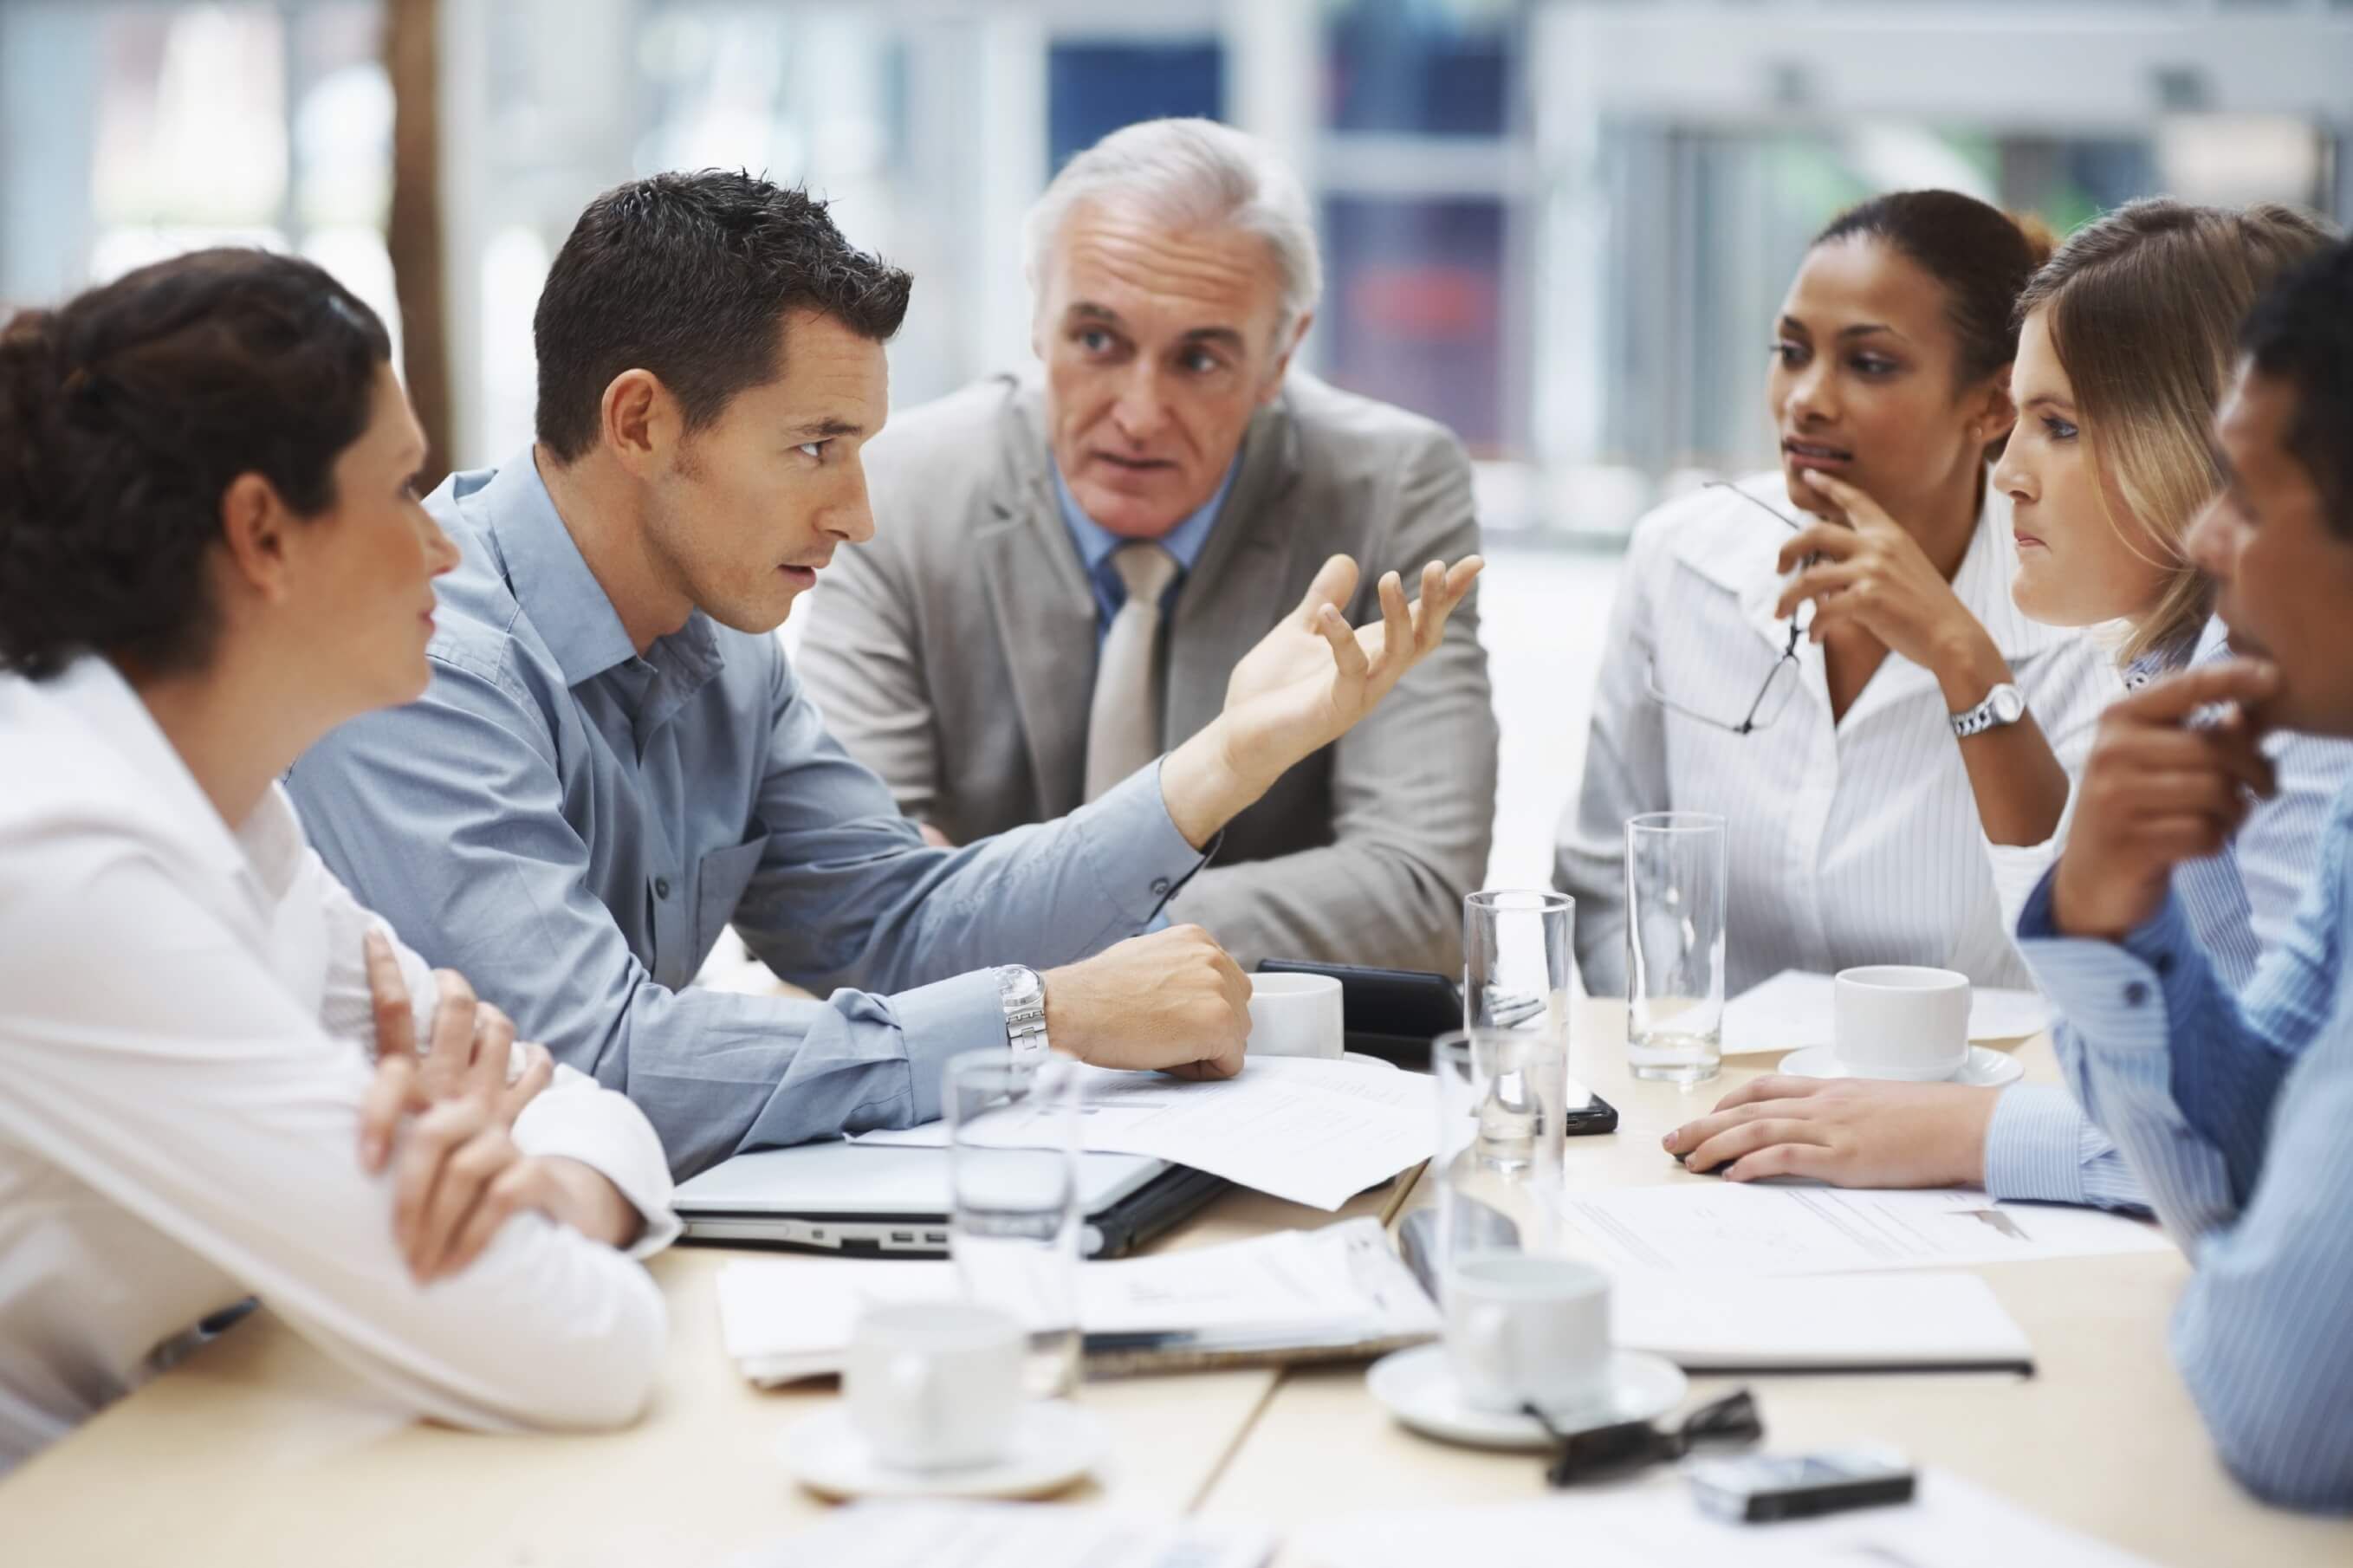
1562 226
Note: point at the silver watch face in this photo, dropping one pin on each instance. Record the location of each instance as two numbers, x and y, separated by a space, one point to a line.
2008 704
1018 987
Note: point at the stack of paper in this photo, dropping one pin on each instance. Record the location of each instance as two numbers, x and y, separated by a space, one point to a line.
1010 1535
1316 1132
1749 1228
1292 1295
1876 1322
1794 1009
1951 1523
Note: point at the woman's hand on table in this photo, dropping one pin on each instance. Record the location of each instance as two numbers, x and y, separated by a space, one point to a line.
1850 1133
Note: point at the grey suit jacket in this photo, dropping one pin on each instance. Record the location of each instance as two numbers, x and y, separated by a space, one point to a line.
956 655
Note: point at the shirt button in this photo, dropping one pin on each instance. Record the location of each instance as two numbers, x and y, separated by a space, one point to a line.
1159 887
661 887
2136 993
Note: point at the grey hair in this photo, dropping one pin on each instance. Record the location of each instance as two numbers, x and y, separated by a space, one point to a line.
1191 174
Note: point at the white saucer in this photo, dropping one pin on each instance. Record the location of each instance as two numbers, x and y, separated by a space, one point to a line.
1418 1387
1986 1069
1368 1060
1054 1444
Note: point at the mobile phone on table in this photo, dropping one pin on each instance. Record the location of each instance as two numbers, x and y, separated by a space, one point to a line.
1394 1013
1759 1488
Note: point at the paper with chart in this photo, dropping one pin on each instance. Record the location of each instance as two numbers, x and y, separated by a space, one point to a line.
1741 1227
1793 1009
783 1318
1316 1132
1951 1523
1010 1535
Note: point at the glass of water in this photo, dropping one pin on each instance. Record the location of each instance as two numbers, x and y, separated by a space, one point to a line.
1516 961
1502 1099
1013 1215
1674 945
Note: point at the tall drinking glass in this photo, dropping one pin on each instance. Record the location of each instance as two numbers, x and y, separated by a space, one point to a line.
1013 1217
1502 1095
1674 945
1516 961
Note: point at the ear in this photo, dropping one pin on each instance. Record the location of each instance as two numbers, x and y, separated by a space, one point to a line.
1282 367
641 421
254 524
1991 409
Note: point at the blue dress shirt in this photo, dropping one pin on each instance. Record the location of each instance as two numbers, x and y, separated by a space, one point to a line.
1096 543
2232 1112
2241 904
571 826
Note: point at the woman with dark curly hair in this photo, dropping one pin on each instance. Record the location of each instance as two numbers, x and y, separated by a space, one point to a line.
211 554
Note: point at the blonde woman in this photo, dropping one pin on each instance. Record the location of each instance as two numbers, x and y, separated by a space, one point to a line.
2125 345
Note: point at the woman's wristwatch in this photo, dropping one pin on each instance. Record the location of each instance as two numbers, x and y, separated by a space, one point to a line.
1022 995
2005 704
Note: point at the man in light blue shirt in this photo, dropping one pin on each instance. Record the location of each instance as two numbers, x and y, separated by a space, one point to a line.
2233 1111
614 762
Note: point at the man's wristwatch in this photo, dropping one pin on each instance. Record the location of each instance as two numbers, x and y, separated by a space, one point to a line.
1023 996
2005 704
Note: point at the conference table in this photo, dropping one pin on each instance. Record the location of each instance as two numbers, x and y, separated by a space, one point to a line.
257 1450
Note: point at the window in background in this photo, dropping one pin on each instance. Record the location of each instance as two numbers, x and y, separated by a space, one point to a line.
1413 308
243 125
1094 87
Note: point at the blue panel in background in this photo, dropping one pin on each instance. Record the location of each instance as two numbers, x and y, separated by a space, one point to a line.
1092 90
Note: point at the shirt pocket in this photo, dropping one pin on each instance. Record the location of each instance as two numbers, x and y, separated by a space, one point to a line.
726 873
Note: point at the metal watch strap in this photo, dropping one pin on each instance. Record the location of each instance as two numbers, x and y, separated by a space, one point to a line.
2005 704
1022 995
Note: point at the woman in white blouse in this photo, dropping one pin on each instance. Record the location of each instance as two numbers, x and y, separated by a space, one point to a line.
2127 339
211 554
1857 754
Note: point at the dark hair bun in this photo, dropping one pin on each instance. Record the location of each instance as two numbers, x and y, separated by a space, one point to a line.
2041 239
126 412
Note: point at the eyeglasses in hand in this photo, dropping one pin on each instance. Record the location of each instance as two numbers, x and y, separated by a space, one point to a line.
1607 1451
1779 681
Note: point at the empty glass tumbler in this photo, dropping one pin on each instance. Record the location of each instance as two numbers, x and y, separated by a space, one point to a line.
1674 945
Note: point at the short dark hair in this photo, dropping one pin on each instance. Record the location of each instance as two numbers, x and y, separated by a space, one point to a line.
2301 333
686 276
124 414
1981 255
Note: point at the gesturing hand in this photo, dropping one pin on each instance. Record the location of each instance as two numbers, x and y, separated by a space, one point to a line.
471 1052
2159 788
1311 679
1873 575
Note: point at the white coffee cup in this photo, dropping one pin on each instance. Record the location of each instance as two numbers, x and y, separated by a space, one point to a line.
1295 1016
1901 1021
936 1385
1524 1328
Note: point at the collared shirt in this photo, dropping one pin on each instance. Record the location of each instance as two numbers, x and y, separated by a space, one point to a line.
181 1013
2232 1112
1096 543
2241 904
1852 840
571 825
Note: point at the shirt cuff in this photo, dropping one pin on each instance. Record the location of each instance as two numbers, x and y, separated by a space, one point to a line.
1140 860
574 1119
2114 995
2036 1145
946 1019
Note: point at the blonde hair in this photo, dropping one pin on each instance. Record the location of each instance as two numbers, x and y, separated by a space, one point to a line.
2143 307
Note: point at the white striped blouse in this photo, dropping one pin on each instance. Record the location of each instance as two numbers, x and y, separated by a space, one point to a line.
1853 840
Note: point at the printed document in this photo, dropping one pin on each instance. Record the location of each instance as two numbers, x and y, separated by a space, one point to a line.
1317 1132
1726 1228
1010 1535
1950 1523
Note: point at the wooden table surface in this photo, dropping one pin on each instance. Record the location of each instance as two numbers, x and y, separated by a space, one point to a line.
257 1451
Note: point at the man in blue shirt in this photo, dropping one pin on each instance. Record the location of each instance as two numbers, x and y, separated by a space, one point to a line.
614 762
2234 1111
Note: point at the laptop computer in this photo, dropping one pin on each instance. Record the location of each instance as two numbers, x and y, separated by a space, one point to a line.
870 1202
